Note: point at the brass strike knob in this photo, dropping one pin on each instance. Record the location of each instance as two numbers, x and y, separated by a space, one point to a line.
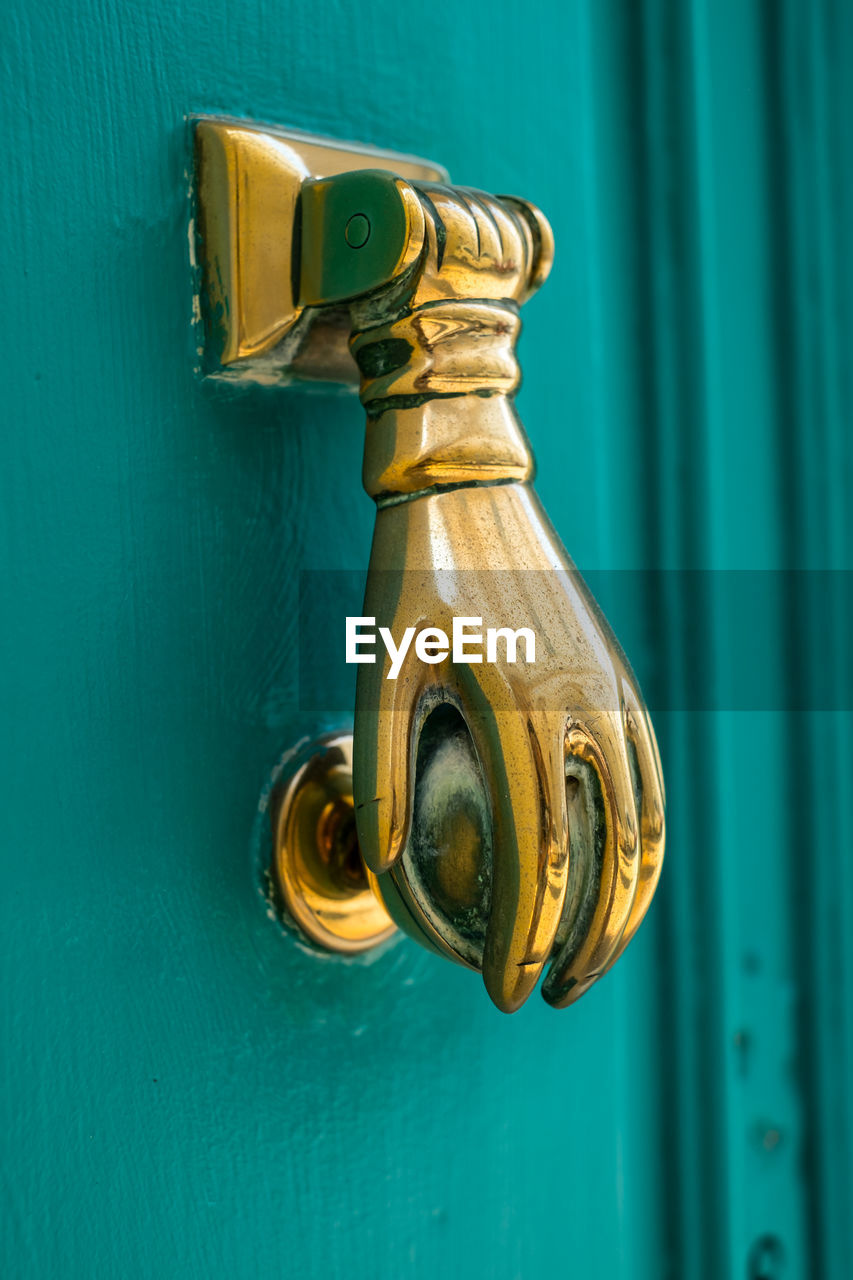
510 812
319 874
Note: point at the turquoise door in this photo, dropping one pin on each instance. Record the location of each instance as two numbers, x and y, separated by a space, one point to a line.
186 1093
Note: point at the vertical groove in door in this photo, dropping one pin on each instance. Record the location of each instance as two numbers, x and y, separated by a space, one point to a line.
693 1205
619 394
813 103
754 1029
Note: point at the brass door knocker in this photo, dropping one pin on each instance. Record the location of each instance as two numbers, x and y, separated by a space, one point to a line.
509 812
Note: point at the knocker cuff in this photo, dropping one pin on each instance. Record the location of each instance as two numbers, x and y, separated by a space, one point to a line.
436 385
446 443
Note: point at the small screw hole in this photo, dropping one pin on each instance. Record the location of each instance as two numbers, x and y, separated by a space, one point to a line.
766 1259
357 231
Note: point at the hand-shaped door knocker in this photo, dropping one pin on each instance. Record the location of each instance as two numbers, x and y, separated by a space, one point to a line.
509 811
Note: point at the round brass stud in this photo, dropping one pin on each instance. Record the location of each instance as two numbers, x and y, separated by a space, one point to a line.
316 861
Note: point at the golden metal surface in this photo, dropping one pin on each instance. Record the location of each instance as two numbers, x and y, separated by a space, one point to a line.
510 813
318 872
556 739
249 178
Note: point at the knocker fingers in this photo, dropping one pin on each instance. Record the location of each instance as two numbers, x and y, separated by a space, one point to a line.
585 953
521 757
648 787
384 759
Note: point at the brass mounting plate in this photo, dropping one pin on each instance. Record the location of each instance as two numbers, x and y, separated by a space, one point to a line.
248 179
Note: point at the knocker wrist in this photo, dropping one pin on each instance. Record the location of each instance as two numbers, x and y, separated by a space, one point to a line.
446 442
437 384
444 347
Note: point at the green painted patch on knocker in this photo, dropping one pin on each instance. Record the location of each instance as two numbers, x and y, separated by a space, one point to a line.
354 234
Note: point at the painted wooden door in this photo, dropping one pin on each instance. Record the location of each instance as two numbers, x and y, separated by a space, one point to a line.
185 1092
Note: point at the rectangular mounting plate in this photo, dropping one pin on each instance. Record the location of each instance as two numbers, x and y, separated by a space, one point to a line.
248 179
